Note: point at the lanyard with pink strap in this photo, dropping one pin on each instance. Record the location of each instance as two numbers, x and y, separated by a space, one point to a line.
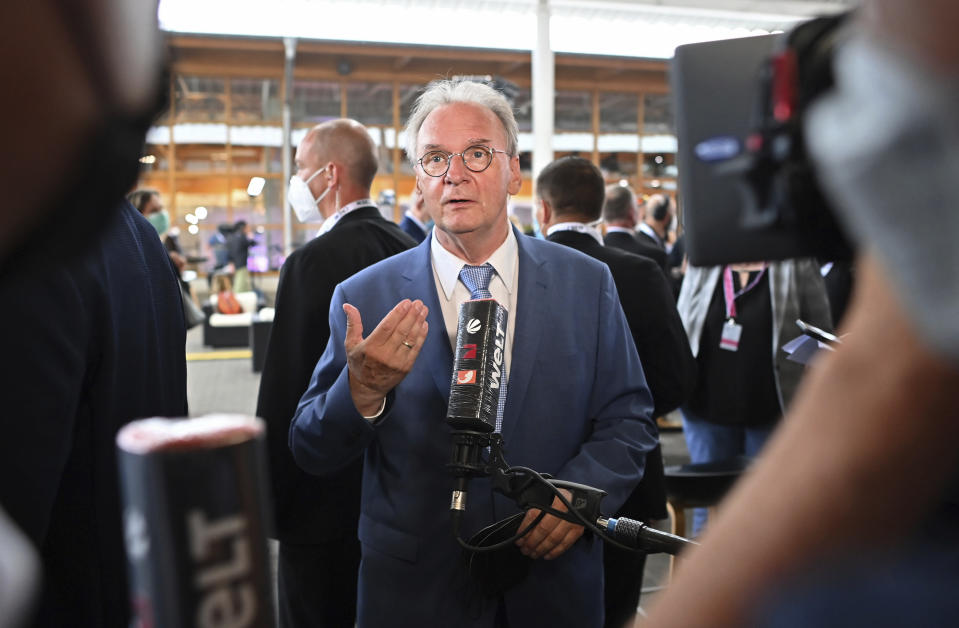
730 295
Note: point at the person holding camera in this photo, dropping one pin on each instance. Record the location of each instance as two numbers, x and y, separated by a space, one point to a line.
866 458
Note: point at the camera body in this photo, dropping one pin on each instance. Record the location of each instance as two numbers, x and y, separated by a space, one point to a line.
748 189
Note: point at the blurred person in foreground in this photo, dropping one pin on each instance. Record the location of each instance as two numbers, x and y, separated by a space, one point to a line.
576 402
316 518
67 243
571 192
867 458
91 344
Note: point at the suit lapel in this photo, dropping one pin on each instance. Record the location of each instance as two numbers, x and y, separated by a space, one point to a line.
531 305
436 353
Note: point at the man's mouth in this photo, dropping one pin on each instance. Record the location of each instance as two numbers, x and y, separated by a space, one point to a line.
456 201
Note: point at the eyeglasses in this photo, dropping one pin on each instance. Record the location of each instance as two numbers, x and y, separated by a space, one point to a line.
436 163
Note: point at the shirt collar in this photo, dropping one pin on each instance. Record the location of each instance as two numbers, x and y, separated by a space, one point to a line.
335 217
448 265
579 227
645 228
618 229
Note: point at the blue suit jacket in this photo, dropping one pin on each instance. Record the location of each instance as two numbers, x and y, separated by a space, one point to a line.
412 229
577 408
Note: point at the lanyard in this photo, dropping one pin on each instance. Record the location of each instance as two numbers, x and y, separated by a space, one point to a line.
330 222
578 227
732 296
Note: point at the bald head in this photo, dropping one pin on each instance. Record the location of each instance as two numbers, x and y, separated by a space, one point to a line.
349 145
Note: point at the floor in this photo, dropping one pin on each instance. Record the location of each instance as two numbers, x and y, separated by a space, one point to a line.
223 381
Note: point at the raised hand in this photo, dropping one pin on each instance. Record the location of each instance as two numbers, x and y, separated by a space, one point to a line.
380 361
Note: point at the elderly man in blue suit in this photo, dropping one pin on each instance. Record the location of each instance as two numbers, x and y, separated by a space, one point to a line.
577 405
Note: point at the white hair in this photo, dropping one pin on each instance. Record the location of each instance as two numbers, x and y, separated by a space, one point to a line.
445 92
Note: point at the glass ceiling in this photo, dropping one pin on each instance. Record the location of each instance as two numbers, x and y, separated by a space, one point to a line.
633 29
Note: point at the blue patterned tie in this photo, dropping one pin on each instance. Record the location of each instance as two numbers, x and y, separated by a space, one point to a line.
476 279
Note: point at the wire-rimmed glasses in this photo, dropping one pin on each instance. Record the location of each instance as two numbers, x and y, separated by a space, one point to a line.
477 158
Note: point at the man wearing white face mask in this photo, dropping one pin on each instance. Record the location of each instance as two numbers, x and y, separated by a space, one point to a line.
316 518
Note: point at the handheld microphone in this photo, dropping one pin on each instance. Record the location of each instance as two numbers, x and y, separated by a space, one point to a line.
478 370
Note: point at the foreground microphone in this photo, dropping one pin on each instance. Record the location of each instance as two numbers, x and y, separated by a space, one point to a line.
474 390
196 518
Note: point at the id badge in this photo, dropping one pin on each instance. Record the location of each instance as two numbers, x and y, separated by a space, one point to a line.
731 333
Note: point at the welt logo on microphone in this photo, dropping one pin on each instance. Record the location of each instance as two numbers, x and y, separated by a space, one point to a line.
478 365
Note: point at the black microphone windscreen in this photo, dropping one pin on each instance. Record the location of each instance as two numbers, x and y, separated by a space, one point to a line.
478 366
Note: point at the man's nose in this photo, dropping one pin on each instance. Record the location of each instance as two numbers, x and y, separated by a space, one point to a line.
457 170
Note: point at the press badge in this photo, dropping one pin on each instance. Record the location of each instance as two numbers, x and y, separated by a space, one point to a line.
731 333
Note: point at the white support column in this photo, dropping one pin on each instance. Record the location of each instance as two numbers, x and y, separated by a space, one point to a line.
289 46
542 92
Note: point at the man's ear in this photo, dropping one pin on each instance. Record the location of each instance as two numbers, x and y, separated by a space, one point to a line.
544 213
515 176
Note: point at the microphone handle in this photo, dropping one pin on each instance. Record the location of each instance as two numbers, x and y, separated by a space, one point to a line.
638 536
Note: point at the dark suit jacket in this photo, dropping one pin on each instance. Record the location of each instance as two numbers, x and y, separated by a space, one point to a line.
412 229
660 339
632 243
645 238
87 346
568 412
310 509
653 320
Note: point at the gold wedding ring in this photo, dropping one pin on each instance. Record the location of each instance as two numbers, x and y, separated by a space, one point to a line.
408 345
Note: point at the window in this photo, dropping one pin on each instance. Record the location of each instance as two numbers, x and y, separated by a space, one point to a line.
315 101
618 113
658 115
199 99
573 111
370 103
255 100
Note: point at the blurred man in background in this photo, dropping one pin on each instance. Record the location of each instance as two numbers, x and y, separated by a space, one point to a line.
316 518
654 226
571 193
415 219
621 215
